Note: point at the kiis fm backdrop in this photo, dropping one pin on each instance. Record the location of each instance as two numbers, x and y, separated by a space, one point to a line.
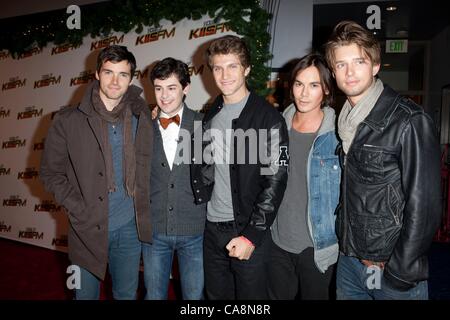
37 84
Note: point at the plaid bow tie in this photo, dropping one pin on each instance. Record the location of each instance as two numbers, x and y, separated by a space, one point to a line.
166 121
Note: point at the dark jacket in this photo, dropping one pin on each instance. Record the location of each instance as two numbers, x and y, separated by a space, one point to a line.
256 197
73 169
390 203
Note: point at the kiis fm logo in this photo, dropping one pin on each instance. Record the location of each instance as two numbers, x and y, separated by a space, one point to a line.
39 145
32 52
64 48
47 80
13 142
195 71
31 233
208 29
47 206
155 34
4 171
106 42
4 113
84 78
30 112
139 74
4 54
14 83
29 173
60 242
14 201
4 227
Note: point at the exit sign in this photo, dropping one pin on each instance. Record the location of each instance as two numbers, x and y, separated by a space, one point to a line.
396 46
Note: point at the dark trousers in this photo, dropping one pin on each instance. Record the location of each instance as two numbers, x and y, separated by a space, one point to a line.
229 278
295 275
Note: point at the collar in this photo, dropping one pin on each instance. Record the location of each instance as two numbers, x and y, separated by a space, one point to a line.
133 93
162 114
383 110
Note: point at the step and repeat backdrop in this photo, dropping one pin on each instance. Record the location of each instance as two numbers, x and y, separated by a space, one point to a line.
41 81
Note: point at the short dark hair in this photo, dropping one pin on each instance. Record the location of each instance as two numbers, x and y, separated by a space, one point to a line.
326 78
115 54
349 32
226 45
168 66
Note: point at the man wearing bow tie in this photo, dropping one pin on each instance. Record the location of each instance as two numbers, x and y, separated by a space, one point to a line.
178 223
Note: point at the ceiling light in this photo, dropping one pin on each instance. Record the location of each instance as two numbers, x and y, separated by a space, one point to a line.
391 8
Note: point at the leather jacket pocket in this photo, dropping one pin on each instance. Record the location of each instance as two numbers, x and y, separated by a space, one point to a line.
369 233
395 204
367 161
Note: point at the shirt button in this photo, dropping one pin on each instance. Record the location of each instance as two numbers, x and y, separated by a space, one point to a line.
335 167
170 208
199 199
100 198
98 227
163 164
100 174
172 185
198 191
195 181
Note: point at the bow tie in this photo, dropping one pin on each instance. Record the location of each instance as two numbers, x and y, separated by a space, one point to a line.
166 121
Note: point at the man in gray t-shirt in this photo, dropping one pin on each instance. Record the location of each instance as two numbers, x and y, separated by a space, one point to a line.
243 193
304 245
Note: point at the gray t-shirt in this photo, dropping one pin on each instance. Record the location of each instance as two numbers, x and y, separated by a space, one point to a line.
220 207
290 229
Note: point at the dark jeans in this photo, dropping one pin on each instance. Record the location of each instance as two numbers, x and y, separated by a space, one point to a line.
295 275
229 278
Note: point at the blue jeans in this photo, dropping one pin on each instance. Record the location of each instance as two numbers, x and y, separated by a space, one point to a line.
124 254
355 282
158 258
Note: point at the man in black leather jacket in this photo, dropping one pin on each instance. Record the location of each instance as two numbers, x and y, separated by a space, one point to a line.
242 187
390 203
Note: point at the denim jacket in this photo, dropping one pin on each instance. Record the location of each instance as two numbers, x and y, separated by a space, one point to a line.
323 179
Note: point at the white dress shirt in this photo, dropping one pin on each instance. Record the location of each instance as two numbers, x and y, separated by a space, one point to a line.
170 136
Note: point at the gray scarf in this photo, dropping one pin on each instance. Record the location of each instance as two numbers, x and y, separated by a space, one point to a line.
350 117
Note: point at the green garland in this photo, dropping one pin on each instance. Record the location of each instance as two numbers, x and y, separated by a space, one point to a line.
245 17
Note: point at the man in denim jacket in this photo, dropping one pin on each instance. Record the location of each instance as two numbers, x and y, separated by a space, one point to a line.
304 247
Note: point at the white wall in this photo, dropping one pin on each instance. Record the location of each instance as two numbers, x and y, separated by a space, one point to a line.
293 31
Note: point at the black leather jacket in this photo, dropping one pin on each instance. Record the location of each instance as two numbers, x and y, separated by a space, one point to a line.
256 197
390 204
